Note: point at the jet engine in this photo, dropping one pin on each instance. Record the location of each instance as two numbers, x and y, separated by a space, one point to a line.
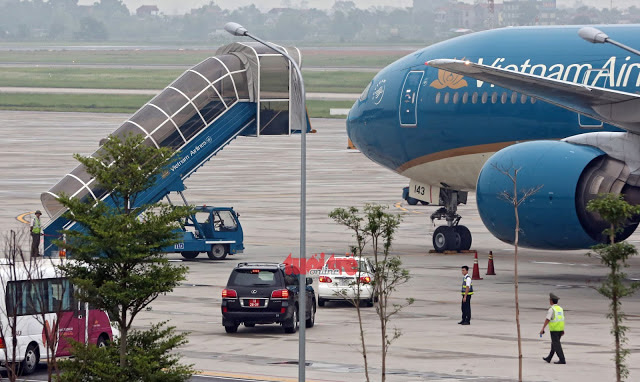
566 176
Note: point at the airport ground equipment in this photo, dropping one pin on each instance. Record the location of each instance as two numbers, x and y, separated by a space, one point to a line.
215 231
245 90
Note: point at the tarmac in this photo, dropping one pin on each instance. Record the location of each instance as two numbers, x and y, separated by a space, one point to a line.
260 178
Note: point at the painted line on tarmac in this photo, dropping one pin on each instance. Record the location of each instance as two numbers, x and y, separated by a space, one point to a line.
246 377
557 263
20 217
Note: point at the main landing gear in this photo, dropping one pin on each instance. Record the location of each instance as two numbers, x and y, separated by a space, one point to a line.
451 237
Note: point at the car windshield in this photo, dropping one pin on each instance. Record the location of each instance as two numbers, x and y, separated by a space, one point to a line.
348 265
253 277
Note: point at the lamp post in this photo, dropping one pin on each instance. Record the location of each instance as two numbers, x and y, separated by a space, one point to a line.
597 36
238 30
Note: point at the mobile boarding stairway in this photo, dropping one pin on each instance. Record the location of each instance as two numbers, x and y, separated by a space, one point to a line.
245 89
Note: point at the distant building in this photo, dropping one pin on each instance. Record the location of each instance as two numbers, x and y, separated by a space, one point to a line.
147 10
529 12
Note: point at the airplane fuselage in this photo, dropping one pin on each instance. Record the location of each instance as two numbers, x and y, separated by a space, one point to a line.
439 128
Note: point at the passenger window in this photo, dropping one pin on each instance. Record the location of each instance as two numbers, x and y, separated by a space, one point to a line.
514 97
465 97
455 97
503 99
438 97
494 97
523 99
533 100
474 98
485 97
446 98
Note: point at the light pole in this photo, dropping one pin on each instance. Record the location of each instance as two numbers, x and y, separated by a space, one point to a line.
597 36
238 30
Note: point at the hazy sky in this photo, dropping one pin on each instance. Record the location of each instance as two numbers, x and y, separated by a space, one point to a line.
171 7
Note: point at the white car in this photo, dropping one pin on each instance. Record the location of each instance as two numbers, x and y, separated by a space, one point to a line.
338 280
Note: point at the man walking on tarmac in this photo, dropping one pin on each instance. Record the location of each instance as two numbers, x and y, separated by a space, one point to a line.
555 320
467 291
36 231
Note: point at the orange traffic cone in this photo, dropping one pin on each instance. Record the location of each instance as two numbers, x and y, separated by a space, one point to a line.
490 270
476 269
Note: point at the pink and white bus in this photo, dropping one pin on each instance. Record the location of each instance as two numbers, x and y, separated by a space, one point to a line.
36 298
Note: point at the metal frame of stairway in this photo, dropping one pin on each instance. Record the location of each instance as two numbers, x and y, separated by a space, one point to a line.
244 90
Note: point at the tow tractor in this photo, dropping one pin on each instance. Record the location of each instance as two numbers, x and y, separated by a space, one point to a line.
214 230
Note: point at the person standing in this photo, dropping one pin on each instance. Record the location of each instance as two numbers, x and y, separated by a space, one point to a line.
467 292
36 231
555 320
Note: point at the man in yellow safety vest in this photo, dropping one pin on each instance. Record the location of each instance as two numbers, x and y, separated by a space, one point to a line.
555 320
36 231
467 292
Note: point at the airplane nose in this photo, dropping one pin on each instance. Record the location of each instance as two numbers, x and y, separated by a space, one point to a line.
354 123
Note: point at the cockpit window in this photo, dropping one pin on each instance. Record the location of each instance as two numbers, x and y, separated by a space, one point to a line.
365 92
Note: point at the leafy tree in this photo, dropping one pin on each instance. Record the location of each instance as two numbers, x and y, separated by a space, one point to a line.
148 354
615 211
351 219
516 200
119 266
378 227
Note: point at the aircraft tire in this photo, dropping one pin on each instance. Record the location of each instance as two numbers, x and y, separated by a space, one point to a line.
444 238
465 237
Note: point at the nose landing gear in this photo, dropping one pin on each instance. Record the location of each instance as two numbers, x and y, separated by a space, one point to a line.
451 237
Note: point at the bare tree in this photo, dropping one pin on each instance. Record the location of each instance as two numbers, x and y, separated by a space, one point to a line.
48 305
516 200
24 281
13 254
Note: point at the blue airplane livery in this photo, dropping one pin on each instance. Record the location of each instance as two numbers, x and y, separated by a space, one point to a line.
464 114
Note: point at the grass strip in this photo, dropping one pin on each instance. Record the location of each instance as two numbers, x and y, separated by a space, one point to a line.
104 103
310 57
100 78
94 103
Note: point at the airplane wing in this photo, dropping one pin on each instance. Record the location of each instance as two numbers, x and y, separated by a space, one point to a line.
615 107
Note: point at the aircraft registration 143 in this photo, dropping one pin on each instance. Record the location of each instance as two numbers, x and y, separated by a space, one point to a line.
457 115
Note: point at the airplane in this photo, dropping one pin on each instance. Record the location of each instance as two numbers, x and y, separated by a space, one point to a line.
460 115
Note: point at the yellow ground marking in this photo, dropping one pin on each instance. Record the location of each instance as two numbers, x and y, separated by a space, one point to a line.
20 217
399 206
251 377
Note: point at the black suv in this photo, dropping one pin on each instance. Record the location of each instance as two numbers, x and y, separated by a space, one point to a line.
265 293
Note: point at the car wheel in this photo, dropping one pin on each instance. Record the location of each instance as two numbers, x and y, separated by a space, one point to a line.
320 301
248 325
217 252
292 324
231 328
190 255
370 302
312 320
31 360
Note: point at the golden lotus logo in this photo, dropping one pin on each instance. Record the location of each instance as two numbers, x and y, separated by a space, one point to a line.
448 80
